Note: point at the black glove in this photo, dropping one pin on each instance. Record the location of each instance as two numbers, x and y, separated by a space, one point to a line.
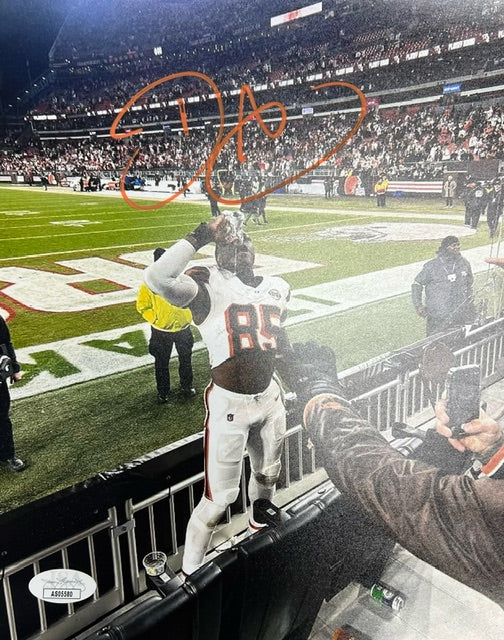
201 236
310 369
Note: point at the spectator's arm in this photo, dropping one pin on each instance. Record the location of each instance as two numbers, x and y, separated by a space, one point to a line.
453 522
417 298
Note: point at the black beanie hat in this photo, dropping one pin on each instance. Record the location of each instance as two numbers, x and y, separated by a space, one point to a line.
446 242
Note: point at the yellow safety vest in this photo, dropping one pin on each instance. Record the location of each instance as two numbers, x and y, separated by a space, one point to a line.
160 313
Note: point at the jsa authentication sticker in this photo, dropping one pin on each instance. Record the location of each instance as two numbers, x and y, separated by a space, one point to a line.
62 585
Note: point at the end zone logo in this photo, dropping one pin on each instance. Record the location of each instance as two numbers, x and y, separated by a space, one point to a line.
7 314
395 231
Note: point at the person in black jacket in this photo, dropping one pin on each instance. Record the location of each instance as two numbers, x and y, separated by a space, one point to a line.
494 207
476 202
8 456
447 282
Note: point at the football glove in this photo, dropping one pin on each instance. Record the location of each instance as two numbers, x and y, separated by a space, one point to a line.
310 369
201 236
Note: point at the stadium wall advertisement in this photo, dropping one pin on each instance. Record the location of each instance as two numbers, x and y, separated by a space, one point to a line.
312 187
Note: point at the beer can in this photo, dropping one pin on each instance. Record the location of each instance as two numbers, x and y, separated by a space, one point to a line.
389 597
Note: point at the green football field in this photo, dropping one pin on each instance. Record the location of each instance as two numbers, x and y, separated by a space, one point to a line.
69 434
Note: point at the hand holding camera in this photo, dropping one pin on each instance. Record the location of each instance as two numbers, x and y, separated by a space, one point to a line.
463 397
223 229
227 228
459 417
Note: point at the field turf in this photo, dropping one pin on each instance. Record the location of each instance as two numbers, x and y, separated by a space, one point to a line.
70 434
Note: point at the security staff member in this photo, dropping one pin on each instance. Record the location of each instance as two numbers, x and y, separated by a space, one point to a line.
170 326
443 290
381 191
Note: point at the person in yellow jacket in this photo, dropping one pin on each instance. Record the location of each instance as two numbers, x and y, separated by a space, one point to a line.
170 326
381 190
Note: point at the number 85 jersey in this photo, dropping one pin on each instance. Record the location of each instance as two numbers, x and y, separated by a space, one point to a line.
241 317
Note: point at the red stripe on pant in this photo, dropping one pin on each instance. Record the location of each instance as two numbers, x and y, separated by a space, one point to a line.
207 491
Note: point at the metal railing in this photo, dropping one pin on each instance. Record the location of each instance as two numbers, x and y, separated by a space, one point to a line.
158 522
297 464
407 397
77 552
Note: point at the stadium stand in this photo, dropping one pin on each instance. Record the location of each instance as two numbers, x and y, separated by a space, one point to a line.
83 81
407 143
68 129
413 130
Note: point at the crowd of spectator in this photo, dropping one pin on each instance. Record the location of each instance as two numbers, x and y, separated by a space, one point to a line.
100 62
234 51
407 142
104 29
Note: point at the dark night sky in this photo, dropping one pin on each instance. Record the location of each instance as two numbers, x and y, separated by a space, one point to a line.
27 30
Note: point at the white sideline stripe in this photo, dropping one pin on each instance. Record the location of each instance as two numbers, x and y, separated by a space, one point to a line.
346 294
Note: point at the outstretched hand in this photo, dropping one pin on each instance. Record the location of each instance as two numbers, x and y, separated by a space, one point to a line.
309 370
497 261
482 433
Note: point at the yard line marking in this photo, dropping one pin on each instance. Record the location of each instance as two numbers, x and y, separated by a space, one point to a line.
268 230
20 212
75 223
87 233
73 251
255 232
160 226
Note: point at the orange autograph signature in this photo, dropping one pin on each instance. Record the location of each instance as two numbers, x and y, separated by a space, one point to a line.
221 141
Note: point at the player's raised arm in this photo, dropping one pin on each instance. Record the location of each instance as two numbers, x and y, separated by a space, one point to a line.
166 276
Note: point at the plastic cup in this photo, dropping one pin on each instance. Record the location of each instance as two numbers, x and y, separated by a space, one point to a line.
154 563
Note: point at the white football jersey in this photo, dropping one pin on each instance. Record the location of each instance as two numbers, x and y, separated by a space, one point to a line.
241 317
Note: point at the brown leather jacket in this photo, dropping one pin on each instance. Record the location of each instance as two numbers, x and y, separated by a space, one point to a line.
452 522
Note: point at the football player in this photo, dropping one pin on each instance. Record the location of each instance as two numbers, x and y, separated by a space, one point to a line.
240 317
